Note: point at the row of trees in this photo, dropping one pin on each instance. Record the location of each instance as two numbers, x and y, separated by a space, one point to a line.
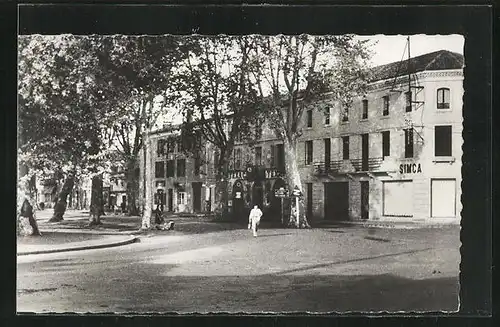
86 101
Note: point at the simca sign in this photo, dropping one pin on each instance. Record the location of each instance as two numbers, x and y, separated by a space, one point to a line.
411 168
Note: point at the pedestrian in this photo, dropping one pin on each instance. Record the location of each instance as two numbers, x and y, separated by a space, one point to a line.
254 219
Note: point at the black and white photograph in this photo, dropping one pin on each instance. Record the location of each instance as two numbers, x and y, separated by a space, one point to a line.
239 173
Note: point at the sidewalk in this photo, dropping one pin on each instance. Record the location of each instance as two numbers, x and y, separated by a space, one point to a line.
74 233
52 242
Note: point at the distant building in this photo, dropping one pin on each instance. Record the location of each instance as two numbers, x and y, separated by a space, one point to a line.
181 182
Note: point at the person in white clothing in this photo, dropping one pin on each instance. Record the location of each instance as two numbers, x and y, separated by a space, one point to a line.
254 219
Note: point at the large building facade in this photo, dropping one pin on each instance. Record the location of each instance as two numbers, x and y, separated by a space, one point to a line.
181 182
393 155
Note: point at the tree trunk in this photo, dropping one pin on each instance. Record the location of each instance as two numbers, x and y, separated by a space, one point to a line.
147 187
293 181
96 201
62 197
132 187
221 184
26 216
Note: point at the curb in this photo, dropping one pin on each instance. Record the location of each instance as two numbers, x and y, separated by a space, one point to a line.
131 240
89 231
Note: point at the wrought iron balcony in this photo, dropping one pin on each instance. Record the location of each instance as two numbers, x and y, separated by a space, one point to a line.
336 166
325 168
368 165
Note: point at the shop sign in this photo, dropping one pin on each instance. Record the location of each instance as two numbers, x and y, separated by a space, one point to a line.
410 168
238 195
238 174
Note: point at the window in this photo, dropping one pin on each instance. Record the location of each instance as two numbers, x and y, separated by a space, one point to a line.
442 141
160 147
364 114
345 147
327 116
180 145
409 143
181 167
170 146
273 156
386 144
159 170
277 156
197 165
181 198
385 111
443 98
345 114
309 118
309 194
408 101
309 152
258 155
280 157
237 159
171 168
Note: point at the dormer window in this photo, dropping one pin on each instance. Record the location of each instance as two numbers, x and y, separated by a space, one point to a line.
443 98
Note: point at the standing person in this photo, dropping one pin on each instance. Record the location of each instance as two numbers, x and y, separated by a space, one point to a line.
254 219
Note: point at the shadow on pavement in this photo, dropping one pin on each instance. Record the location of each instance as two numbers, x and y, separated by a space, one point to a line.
378 239
157 293
326 264
272 235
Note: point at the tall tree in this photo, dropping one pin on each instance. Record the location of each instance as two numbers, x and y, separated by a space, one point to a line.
58 124
136 78
218 102
291 72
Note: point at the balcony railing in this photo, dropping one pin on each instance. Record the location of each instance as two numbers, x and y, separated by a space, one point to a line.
369 165
336 166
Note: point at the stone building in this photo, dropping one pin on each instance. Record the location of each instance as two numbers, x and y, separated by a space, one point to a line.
180 181
393 155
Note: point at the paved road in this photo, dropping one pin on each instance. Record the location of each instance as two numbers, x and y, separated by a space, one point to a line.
319 270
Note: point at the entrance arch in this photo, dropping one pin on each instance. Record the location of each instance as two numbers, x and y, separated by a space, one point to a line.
258 195
238 200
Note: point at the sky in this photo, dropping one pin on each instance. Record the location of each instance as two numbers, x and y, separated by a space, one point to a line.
390 48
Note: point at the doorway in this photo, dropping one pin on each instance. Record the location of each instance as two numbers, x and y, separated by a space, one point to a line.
364 152
196 196
258 195
337 201
365 205
309 195
170 200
